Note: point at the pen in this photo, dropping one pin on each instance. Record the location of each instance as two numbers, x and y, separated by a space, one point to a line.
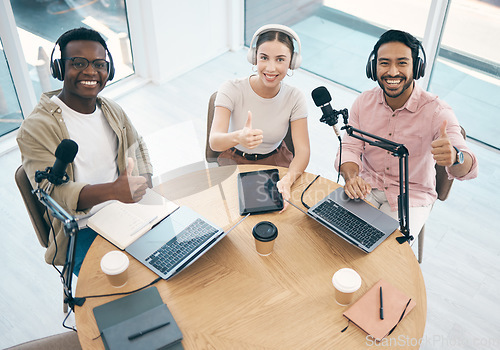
149 330
381 305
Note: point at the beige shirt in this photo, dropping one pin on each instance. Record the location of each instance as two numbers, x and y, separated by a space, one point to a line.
38 138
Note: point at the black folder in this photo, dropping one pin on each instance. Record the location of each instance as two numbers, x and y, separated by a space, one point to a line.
139 312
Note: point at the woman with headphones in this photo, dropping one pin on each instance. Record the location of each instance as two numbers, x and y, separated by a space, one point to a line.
253 114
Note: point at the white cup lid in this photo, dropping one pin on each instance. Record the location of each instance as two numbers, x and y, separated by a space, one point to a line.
114 262
346 280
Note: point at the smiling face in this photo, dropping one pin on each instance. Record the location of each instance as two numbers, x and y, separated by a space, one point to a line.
395 72
82 86
273 61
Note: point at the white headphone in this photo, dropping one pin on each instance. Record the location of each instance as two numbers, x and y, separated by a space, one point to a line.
252 51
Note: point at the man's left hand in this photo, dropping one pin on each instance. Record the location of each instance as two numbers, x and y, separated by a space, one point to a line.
443 151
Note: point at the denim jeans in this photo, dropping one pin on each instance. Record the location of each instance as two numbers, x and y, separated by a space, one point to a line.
84 240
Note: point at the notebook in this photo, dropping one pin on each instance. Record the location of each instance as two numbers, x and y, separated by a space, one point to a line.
365 312
123 223
176 242
355 221
257 192
143 311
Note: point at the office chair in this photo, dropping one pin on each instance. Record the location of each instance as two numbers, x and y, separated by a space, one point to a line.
211 155
35 211
443 187
63 341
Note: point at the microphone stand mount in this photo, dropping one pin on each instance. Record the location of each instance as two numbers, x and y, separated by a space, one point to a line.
400 151
332 119
70 230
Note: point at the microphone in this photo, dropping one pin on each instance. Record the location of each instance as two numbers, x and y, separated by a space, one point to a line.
65 154
322 99
56 175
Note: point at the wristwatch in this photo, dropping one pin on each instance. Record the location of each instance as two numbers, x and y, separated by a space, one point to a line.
460 156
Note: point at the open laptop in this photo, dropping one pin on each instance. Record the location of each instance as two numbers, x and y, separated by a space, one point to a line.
176 242
355 221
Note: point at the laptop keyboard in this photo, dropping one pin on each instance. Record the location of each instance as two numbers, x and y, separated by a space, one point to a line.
178 248
348 223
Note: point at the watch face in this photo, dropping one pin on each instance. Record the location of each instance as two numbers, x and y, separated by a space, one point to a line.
460 156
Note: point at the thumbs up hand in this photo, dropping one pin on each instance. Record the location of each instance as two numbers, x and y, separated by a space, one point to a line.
443 151
130 166
129 188
248 137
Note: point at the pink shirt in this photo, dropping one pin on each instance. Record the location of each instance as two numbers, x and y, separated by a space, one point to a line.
415 125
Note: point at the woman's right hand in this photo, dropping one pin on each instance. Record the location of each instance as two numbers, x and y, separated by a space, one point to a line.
248 137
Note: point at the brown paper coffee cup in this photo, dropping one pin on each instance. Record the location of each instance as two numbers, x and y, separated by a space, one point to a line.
346 282
265 234
115 265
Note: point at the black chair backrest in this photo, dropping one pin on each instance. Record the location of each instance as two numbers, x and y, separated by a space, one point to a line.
33 206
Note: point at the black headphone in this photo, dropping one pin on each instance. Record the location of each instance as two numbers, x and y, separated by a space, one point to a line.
418 65
57 65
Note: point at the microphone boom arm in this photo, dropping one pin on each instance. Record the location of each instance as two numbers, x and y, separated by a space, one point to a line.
397 150
70 230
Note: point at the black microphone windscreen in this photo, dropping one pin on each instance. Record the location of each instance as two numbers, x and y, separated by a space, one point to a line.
66 151
321 96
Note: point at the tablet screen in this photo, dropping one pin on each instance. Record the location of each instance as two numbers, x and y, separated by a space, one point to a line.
258 193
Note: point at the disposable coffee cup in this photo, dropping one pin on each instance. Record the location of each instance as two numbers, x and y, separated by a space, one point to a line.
346 282
115 265
265 234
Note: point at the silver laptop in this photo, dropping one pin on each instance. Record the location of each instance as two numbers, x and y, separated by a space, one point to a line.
176 242
355 221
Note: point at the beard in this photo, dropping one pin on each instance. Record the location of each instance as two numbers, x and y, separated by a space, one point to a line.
395 93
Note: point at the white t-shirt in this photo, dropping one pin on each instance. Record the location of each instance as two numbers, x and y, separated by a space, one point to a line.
96 160
271 115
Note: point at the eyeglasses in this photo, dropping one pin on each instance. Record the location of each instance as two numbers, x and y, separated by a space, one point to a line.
80 63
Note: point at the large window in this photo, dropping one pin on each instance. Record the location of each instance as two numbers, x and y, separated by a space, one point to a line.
39 24
10 110
467 70
337 37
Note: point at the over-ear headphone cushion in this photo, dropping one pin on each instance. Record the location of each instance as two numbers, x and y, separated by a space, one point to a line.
252 55
418 69
57 69
370 67
296 61
111 73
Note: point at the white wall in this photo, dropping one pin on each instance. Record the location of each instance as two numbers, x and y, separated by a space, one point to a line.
177 36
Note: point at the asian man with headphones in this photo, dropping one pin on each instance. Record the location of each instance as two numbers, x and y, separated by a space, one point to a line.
401 111
112 162
253 114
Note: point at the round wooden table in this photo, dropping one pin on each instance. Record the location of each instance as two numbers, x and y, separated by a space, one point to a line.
233 298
